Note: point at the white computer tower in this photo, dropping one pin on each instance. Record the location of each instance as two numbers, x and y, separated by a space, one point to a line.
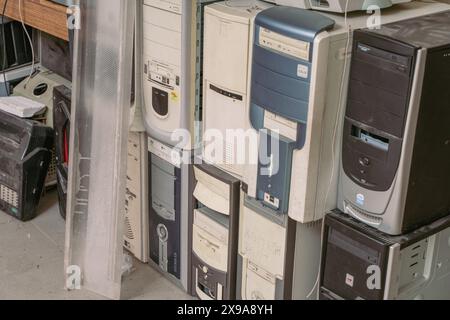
265 269
136 235
278 257
171 67
136 203
40 88
228 43
137 105
215 233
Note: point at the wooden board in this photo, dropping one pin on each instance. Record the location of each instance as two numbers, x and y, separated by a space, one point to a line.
44 15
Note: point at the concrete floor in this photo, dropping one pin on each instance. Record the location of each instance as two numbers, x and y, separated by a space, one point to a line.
32 262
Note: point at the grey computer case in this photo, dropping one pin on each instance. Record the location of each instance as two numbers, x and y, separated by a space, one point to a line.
395 156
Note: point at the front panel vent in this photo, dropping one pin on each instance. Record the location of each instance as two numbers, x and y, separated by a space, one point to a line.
9 196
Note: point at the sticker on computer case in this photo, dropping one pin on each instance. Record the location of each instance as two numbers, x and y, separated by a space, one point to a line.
275 202
360 199
303 71
174 96
349 280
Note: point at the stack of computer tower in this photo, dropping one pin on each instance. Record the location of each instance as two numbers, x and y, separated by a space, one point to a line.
228 38
395 175
171 83
244 105
256 99
300 74
290 60
166 50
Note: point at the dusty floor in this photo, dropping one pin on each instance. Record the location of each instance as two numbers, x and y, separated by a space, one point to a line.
31 262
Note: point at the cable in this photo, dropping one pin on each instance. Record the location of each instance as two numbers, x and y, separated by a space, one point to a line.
335 131
30 41
4 48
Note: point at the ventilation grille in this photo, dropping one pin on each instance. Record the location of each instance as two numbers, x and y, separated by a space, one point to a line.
313 224
230 158
413 263
51 179
9 196
368 217
418 254
129 234
365 215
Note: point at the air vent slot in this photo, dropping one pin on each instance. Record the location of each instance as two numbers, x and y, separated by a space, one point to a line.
9 196
51 178
129 234
365 215
413 263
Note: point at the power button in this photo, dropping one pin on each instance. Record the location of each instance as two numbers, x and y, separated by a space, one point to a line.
364 161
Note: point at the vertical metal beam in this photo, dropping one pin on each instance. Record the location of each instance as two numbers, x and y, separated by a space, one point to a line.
98 144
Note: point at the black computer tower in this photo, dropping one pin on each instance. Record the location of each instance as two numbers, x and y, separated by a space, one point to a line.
15 49
62 98
362 263
396 144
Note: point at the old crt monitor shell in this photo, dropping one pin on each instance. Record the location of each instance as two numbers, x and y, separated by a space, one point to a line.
395 153
339 6
40 88
25 153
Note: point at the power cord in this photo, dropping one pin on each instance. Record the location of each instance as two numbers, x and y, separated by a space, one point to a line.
4 48
29 40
